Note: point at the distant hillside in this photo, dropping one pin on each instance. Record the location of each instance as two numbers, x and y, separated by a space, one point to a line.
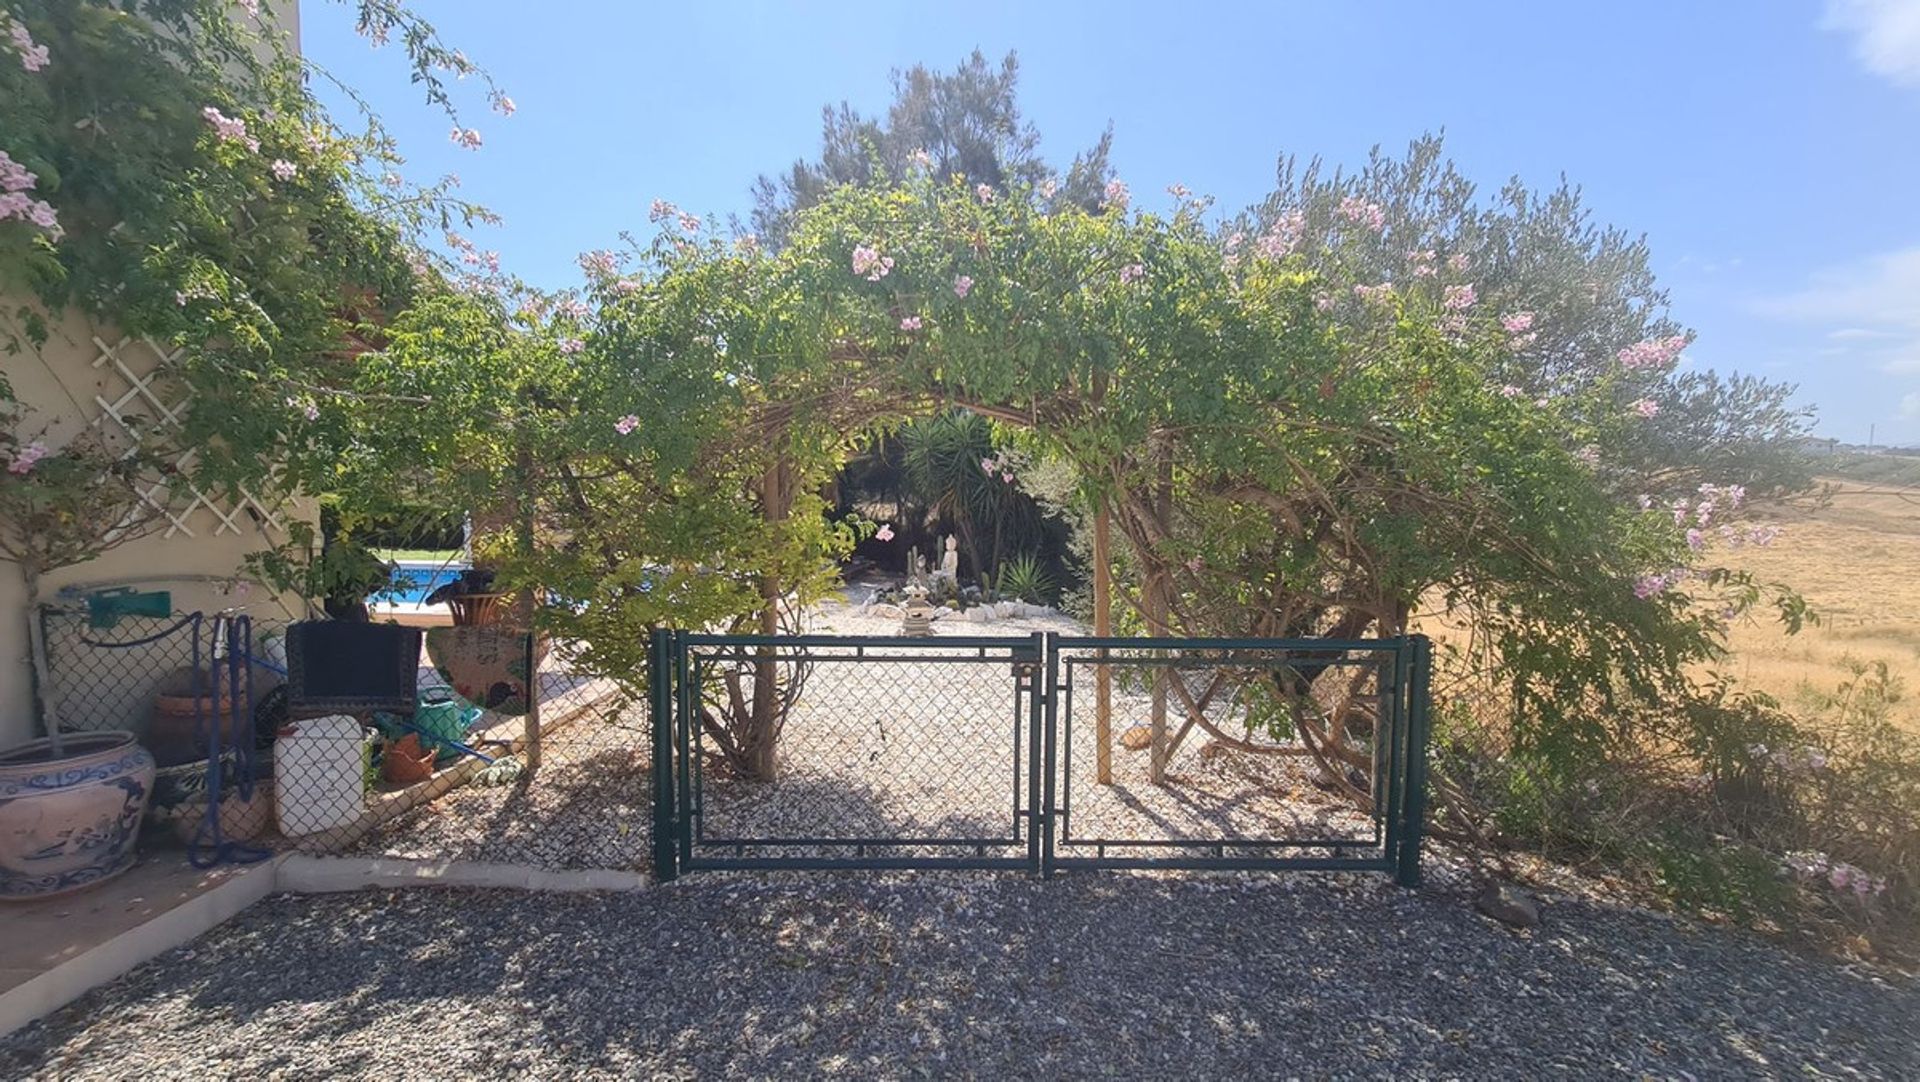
1874 469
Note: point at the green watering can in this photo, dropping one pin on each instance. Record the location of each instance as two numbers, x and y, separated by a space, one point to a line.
441 715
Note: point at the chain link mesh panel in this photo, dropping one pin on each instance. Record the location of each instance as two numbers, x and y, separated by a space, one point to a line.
451 780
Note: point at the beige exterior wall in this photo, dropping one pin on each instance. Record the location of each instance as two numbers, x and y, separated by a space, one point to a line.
83 377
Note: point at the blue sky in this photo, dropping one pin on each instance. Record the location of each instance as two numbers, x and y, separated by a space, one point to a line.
1770 151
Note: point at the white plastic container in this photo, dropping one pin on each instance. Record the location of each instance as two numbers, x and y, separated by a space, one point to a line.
319 774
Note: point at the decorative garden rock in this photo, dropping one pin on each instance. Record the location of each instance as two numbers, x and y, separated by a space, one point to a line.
1508 904
69 821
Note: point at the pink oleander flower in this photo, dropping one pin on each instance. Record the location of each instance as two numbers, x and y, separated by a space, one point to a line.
571 346
1459 298
988 465
868 262
1282 236
626 425
1116 195
984 192
1653 353
1379 294
504 105
32 57
284 170
1363 213
1458 263
962 285
910 323
884 533
1323 301
15 177
1696 540
599 263
228 129
1646 407
1007 477
465 137
1132 272
1646 586
25 458
1235 240
660 210
1179 191
689 223
1517 323
1511 391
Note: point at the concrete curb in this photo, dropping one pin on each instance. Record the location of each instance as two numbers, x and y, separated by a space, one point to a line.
290 873
301 873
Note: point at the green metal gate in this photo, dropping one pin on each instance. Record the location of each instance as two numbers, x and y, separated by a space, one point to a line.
986 752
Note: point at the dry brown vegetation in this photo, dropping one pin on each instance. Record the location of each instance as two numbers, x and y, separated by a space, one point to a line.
1857 561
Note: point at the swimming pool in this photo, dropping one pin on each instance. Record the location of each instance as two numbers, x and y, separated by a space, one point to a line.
414 580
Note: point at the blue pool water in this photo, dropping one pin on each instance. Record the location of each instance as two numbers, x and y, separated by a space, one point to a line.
414 581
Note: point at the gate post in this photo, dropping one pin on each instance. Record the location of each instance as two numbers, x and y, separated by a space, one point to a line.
1047 724
1419 728
661 709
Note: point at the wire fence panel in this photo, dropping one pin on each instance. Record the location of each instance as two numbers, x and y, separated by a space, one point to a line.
888 752
1257 753
249 767
1045 752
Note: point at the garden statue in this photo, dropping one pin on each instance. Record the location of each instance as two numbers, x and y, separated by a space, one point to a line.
950 562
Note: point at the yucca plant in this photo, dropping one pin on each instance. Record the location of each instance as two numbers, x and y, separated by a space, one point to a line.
1024 578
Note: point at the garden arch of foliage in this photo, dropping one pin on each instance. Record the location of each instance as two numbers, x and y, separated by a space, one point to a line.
1373 398
1286 445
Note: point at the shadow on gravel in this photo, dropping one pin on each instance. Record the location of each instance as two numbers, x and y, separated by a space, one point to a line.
981 973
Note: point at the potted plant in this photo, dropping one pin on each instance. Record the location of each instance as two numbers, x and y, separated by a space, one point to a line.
70 803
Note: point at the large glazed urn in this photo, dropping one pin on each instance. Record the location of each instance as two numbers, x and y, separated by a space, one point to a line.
70 820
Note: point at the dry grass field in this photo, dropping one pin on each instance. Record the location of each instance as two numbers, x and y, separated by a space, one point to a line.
1857 560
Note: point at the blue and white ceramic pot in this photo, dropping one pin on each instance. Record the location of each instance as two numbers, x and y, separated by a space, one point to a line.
70 820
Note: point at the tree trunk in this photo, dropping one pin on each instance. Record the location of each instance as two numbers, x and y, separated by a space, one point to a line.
37 650
763 733
1157 603
1102 627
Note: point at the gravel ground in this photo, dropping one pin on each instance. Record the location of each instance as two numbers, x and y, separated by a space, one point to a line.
979 975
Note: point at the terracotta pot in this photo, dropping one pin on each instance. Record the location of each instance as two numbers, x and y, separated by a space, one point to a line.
406 762
174 736
70 821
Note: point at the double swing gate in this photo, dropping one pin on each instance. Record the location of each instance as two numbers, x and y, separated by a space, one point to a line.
1039 753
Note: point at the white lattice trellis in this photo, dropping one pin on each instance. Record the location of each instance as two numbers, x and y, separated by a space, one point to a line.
143 390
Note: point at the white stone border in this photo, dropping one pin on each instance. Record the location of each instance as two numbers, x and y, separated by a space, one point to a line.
288 873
